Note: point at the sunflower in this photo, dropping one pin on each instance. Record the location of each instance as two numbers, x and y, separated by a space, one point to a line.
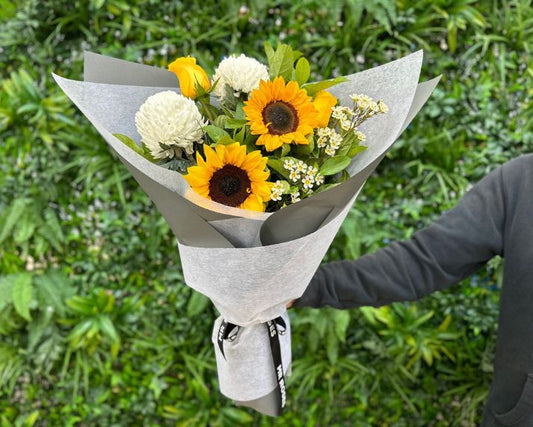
230 176
280 113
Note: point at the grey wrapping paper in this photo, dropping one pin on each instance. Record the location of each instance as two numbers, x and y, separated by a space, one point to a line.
249 264
246 355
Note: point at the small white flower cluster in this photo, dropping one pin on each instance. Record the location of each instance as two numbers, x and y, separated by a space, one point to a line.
241 73
329 139
344 115
364 102
295 197
277 191
299 171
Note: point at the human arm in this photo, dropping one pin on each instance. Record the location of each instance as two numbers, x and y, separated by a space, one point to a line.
452 248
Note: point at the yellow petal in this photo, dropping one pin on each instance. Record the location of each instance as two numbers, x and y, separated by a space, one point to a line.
212 158
253 160
258 175
253 203
235 154
323 103
189 75
262 189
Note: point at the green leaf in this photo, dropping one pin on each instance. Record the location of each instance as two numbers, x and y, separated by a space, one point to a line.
15 212
24 228
31 419
129 142
355 149
277 166
346 143
179 165
197 304
285 149
235 123
332 348
303 150
313 88
143 151
108 329
239 136
215 133
302 71
239 112
47 231
334 165
6 286
52 221
281 62
269 51
341 322
77 334
236 416
52 290
296 54
226 140
21 295
220 121
80 305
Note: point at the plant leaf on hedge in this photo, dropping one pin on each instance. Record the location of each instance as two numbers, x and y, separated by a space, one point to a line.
197 304
21 293
15 211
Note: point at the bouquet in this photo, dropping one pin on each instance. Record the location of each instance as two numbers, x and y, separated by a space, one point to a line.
268 139
254 169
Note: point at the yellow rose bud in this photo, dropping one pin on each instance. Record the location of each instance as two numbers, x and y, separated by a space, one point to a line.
323 102
189 75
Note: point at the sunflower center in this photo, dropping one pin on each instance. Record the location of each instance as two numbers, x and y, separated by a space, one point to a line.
230 186
281 117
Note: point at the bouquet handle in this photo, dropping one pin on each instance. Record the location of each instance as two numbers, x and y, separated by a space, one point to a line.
236 350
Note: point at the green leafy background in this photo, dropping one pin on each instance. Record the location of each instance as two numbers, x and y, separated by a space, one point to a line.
96 325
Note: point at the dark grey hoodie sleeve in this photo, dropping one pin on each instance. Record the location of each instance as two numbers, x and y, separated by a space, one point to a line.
452 248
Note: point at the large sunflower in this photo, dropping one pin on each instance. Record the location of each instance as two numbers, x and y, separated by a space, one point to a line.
230 176
280 113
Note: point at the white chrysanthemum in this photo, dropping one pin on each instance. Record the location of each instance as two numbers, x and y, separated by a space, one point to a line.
169 124
241 73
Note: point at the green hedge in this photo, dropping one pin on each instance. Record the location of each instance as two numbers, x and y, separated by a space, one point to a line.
96 325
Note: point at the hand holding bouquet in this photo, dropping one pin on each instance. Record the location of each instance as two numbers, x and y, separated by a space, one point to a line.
254 170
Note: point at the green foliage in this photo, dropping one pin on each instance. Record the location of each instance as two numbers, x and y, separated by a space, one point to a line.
96 325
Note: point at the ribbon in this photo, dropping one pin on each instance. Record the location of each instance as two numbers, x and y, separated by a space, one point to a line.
275 328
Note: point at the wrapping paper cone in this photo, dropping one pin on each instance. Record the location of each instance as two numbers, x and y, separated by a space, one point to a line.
250 264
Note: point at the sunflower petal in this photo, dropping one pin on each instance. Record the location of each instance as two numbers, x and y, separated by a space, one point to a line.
253 203
212 158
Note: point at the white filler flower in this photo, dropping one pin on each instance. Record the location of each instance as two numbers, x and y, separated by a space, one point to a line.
169 124
241 73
